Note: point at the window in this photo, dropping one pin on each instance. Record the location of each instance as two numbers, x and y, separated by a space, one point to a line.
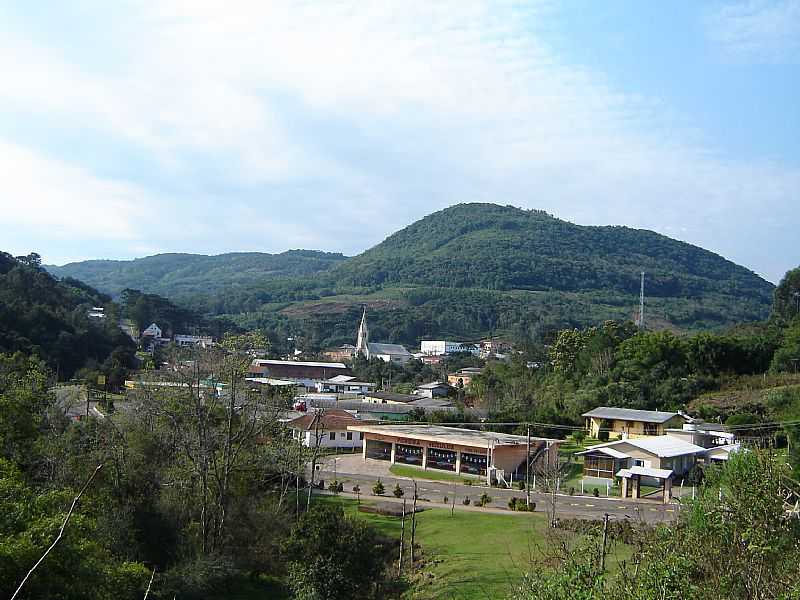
638 462
333 435
360 435
349 436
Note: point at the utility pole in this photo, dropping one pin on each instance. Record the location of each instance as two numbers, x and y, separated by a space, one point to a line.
641 303
603 549
402 537
313 457
528 471
413 524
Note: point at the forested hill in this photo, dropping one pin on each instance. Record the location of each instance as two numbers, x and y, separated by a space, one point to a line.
467 271
45 317
177 275
503 248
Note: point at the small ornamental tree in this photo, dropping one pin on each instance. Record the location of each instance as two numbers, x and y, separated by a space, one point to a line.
378 488
398 491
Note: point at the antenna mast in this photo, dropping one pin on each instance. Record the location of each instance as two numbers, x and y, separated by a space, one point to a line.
641 304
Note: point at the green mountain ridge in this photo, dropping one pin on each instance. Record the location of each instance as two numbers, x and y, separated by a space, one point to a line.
173 274
467 271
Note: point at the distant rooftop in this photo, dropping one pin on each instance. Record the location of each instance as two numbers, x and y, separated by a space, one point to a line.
663 446
392 396
629 414
433 385
379 348
300 363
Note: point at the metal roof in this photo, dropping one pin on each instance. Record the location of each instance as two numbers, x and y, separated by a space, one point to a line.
299 363
271 381
629 414
392 396
452 435
646 472
433 385
663 446
607 451
379 348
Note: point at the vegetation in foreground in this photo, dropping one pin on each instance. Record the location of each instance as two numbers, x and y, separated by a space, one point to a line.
740 539
470 555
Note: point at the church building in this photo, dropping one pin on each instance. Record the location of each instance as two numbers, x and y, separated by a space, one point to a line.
386 352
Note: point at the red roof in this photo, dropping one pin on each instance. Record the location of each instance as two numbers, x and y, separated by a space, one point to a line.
331 419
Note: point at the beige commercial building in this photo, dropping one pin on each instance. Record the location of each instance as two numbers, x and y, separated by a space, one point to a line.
499 456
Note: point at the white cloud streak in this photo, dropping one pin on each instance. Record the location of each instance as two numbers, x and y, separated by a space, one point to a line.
330 124
760 31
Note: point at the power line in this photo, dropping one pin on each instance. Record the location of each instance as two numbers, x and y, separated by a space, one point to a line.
749 426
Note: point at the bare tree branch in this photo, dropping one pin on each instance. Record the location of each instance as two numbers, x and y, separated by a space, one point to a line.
147 591
60 531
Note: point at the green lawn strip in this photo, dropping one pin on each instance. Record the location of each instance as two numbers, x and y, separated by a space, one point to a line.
468 555
417 473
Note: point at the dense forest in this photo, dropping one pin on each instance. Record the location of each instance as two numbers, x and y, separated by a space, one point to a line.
467 271
42 316
178 275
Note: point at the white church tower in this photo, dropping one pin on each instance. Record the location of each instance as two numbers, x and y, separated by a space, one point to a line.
362 341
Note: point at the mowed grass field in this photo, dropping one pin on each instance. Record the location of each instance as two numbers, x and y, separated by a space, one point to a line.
469 555
418 473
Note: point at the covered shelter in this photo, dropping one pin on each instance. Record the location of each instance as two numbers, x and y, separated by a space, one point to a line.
632 480
463 451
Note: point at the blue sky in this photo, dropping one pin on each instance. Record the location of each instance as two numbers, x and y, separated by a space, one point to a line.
131 128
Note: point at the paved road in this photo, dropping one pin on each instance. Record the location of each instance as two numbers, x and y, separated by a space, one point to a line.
586 507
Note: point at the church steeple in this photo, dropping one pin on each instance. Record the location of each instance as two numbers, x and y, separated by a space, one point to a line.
362 341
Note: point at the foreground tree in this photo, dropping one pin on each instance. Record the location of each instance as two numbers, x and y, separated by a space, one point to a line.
331 556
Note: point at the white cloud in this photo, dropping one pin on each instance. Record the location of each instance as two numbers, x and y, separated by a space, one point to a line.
329 124
762 31
58 200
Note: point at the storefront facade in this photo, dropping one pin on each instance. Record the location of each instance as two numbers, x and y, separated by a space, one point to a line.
459 451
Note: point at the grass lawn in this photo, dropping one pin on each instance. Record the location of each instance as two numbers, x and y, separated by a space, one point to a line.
469 555
417 473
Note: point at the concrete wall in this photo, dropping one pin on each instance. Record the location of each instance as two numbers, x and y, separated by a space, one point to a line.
340 439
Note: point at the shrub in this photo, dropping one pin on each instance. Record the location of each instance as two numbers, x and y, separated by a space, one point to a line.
398 491
484 499
340 487
512 503
333 486
572 490
465 501
446 499
520 485
356 489
596 493
378 488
